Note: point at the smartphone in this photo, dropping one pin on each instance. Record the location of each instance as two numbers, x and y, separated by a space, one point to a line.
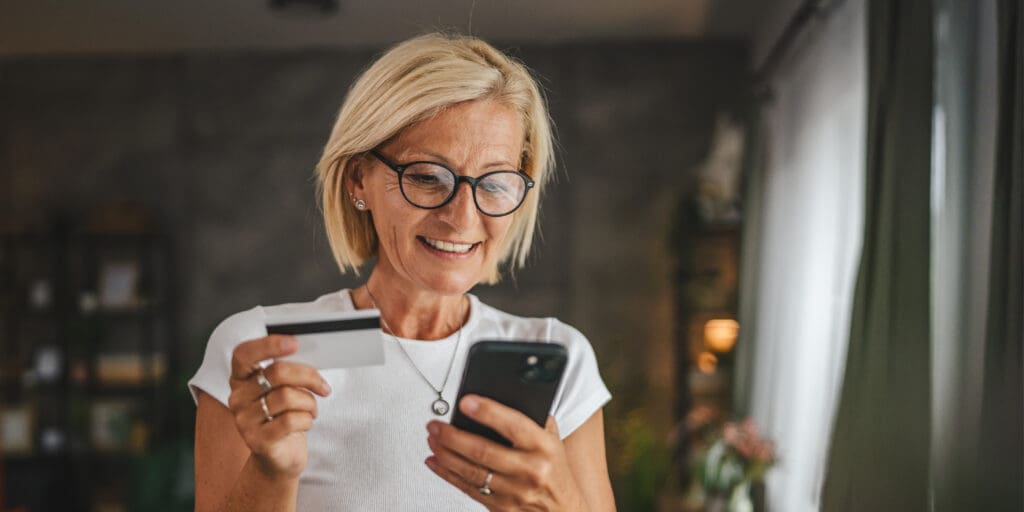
523 375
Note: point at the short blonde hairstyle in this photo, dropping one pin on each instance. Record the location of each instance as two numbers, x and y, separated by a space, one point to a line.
410 83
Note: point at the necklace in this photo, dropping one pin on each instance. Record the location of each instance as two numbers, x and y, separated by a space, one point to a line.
439 406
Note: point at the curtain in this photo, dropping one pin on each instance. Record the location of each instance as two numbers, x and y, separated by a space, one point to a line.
879 458
1000 457
977 295
803 212
965 129
953 410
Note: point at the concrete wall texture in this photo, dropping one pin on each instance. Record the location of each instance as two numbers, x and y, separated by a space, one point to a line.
222 148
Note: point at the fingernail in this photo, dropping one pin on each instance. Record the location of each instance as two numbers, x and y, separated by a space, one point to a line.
327 387
289 343
430 462
470 404
432 428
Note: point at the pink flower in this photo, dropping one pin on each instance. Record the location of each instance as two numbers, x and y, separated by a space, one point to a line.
746 441
731 433
749 427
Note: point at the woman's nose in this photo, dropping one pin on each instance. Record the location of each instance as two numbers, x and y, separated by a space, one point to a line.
461 210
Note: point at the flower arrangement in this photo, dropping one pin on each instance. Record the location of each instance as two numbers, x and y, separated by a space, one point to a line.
737 457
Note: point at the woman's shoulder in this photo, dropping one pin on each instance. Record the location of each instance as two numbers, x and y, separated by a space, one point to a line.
510 326
338 301
244 326
251 323
582 390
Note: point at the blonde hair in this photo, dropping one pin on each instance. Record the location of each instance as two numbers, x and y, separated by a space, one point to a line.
410 83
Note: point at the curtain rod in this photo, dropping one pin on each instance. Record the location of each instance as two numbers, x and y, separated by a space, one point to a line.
808 10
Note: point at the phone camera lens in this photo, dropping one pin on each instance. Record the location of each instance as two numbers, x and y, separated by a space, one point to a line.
552 365
531 374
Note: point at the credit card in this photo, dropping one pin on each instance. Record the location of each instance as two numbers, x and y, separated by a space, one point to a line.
332 340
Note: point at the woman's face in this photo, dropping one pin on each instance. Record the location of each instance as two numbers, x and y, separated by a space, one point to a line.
450 249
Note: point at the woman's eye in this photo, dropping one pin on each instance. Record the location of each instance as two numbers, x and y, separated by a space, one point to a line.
492 188
422 179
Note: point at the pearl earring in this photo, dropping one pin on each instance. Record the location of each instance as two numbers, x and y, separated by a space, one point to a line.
360 204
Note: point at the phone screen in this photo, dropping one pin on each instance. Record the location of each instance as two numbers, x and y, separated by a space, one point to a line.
523 375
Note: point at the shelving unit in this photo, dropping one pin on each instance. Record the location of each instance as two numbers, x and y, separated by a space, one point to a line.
706 297
87 351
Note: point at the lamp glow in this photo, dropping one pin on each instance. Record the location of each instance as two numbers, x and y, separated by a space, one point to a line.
720 334
707 363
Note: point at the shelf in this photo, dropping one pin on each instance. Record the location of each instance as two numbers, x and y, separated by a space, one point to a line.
114 238
119 315
148 310
35 458
72 269
123 391
91 456
113 457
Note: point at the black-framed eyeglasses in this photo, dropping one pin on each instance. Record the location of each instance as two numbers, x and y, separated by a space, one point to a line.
430 185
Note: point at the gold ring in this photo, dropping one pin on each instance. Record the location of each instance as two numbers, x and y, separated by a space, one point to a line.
486 488
266 410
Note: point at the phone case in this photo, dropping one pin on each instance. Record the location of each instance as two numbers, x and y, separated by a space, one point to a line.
524 375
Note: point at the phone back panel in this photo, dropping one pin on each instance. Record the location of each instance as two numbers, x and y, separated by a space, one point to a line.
501 371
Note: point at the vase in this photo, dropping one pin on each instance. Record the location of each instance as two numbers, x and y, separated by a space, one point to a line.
737 500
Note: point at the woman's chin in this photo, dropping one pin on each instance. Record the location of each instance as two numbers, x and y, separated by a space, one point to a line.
448 284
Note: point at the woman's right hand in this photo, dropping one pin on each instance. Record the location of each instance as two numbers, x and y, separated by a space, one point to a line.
278 445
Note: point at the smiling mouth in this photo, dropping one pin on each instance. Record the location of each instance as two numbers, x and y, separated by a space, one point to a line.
445 246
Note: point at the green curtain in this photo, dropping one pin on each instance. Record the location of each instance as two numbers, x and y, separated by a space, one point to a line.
879 456
1000 459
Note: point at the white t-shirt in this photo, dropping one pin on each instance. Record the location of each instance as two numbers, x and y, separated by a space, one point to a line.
369 441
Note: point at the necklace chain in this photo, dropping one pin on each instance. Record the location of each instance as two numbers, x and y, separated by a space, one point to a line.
451 362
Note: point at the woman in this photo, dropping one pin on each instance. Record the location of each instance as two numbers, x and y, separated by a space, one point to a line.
431 114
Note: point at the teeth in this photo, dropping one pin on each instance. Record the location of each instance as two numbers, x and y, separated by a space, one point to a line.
441 245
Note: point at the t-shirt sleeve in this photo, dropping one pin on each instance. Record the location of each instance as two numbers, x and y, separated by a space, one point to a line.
582 392
213 376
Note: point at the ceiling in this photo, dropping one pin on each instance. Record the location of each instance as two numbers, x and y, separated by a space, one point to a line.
56 27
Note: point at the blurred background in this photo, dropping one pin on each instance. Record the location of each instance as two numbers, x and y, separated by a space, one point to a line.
806 214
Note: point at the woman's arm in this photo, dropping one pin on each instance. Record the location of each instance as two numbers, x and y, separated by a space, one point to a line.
249 455
586 453
226 477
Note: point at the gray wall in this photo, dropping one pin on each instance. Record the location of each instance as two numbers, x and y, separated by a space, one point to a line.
222 147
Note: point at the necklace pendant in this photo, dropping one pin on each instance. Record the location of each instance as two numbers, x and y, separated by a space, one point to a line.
440 407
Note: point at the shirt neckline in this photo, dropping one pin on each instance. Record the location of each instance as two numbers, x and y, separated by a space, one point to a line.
474 308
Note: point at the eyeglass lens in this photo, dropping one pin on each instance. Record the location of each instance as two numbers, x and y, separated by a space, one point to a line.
429 186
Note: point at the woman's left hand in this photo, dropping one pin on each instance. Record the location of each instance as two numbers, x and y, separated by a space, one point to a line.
533 474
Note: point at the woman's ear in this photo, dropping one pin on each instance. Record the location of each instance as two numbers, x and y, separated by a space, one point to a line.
355 173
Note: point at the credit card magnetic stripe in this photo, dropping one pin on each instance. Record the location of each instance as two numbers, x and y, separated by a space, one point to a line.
355 324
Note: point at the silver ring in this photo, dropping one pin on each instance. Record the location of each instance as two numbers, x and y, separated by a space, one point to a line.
486 488
266 410
261 378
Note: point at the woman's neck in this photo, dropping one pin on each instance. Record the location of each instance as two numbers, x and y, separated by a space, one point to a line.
411 313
